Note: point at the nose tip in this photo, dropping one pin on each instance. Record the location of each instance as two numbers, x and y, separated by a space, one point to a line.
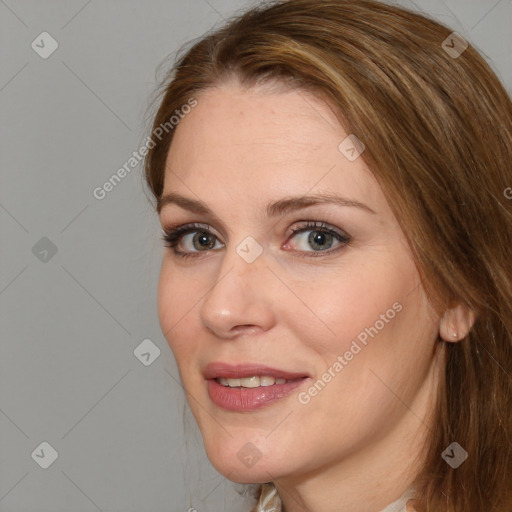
241 299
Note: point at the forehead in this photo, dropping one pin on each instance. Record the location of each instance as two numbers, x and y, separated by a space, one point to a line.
230 114
263 143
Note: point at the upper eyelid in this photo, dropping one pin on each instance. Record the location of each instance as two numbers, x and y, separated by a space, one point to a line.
170 228
312 224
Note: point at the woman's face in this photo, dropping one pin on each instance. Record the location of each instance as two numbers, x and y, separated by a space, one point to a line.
339 306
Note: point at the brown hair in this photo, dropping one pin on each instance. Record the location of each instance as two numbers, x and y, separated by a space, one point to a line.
438 135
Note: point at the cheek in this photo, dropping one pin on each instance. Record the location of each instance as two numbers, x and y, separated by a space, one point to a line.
382 345
175 306
350 305
368 325
177 295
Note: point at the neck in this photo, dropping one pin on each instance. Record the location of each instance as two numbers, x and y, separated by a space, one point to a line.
353 488
371 478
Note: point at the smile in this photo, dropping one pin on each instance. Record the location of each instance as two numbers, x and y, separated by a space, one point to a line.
252 382
249 386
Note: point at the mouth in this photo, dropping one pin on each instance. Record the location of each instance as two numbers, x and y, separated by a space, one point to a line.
249 386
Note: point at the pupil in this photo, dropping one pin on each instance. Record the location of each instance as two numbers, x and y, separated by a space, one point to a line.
203 240
318 238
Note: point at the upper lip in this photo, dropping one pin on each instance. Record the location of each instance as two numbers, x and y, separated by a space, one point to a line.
239 371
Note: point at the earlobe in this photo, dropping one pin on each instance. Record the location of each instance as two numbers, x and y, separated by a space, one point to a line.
456 323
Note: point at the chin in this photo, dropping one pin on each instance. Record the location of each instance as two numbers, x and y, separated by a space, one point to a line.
244 465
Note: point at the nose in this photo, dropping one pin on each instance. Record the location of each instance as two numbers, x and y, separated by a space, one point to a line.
241 297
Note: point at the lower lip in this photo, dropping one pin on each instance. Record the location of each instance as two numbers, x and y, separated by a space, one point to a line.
248 399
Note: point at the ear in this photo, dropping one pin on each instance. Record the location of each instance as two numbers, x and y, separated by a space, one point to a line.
456 323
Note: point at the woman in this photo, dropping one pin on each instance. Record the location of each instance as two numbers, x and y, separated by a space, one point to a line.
345 340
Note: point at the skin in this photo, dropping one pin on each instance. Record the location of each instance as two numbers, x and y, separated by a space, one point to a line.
357 444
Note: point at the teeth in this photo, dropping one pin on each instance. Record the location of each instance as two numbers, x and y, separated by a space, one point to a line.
267 381
251 382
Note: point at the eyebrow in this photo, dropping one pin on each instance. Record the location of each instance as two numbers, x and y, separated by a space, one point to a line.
273 209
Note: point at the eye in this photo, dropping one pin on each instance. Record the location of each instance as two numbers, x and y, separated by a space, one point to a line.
200 239
320 238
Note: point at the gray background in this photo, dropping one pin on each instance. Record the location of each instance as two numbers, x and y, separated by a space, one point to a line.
70 321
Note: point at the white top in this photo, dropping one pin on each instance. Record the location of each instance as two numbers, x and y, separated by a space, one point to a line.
400 505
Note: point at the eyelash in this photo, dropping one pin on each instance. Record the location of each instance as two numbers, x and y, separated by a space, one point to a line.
173 236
